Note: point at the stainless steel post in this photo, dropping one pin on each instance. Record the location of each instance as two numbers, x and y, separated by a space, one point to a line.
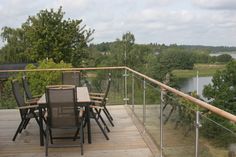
144 101
161 123
197 126
126 90
133 92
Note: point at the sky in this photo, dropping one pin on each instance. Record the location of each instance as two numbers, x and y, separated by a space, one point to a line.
182 22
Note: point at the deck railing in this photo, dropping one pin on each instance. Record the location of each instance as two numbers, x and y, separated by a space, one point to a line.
178 123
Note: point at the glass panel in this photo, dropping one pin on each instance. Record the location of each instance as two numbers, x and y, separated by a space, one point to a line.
217 136
116 93
138 98
178 127
152 123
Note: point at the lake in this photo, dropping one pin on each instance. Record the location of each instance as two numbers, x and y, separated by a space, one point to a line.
233 54
190 84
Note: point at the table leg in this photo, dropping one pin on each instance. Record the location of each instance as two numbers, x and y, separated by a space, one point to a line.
87 108
41 126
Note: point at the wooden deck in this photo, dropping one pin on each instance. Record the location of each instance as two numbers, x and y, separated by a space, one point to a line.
125 139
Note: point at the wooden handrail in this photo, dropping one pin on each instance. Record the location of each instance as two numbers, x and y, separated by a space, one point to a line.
64 69
198 102
203 104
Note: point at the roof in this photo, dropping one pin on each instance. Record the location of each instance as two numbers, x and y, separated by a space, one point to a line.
19 66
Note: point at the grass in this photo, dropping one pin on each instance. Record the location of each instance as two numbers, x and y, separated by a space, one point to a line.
203 69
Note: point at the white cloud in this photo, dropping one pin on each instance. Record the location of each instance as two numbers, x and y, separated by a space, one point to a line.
163 21
216 4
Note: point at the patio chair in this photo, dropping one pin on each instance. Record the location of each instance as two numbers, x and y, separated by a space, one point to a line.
71 78
28 94
27 110
100 100
63 114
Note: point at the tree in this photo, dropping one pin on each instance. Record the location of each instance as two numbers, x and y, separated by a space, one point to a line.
47 35
224 58
169 59
222 91
222 94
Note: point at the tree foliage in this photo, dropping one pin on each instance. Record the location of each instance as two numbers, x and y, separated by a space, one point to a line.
224 58
222 91
47 35
222 94
39 80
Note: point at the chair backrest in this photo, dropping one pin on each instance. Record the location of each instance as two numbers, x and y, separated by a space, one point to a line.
71 78
62 108
18 96
26 88
107 90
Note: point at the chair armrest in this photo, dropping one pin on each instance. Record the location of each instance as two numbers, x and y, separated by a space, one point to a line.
97 94
31 101
96 98
97 107
96 101
28 107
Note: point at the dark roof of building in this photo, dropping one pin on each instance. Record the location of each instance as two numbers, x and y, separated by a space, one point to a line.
19 66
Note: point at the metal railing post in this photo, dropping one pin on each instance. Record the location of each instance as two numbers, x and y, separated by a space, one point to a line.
126 89
133 92
161 122
197 126
144 101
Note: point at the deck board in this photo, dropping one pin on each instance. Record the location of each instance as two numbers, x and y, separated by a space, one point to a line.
125 139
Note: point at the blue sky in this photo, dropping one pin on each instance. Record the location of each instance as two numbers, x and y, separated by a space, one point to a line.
195 22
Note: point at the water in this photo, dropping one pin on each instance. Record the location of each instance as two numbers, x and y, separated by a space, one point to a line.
233 54
190 84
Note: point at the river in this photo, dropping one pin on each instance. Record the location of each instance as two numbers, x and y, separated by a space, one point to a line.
190 84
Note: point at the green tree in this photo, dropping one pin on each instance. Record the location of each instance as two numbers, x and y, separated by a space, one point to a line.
224 58
222 91
176 58
222 94
47 35
39 80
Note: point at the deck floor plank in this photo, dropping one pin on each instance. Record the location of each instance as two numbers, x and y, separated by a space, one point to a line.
125 139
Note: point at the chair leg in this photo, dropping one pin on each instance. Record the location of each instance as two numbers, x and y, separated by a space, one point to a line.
104 123
81 138
100 126
108 118
26 123
108 112
46 141
18 130
50 133
76 133
35 117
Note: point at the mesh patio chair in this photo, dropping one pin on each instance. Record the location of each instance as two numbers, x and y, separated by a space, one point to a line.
28 94
71 78
63 113
100 100
27 110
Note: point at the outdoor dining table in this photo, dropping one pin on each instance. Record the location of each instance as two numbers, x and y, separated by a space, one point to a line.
83 100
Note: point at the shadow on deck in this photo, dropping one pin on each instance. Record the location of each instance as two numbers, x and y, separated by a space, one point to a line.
125 139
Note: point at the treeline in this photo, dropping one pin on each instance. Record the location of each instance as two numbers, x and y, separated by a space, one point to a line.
155 60
211 49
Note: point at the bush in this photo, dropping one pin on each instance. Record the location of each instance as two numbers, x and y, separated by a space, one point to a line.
37 80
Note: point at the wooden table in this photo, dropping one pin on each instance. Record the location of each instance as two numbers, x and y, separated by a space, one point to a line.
83 99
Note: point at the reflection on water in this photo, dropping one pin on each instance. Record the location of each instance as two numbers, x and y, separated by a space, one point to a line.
190 84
